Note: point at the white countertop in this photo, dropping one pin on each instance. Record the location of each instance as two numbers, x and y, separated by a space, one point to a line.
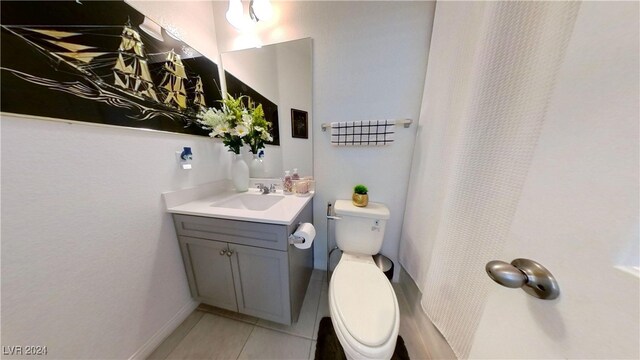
283 212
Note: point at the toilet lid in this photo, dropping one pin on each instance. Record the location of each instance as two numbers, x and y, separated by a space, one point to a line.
364 301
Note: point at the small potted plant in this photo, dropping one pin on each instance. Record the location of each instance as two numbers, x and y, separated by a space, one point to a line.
360 197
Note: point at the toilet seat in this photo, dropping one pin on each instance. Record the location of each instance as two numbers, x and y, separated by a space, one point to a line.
364 308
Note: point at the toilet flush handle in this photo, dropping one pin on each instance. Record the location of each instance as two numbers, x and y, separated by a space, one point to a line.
527 274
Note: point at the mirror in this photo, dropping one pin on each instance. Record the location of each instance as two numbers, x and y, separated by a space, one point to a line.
281 75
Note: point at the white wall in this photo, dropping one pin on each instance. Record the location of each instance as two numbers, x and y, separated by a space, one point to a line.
369 61
91 266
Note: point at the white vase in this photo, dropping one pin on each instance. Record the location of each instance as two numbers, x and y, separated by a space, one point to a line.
239 174
256 167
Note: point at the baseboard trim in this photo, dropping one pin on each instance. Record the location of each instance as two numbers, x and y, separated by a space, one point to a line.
156 339
436 344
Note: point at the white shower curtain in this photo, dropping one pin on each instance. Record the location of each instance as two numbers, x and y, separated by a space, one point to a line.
491 71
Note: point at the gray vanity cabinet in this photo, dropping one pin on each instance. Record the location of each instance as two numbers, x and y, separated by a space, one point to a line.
209 272
262 289
245 266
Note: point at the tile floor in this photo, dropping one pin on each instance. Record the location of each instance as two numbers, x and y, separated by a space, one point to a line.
212 333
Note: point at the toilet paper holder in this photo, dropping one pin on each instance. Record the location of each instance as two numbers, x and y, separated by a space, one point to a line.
296 240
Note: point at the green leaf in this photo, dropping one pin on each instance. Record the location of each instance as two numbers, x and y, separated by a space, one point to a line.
360 189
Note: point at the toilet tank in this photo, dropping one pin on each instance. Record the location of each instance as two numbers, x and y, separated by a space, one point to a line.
360 230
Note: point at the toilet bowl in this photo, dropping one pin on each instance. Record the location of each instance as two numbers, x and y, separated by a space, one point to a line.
364 309
363 306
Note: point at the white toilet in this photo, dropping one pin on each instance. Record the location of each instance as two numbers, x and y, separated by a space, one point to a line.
363 306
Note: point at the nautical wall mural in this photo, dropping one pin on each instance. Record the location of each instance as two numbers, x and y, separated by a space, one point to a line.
101 62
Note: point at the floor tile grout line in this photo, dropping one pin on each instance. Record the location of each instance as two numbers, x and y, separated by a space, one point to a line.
284 332
296 335
228 316
257 324
245 342
183 337
315 321
309 351
412 323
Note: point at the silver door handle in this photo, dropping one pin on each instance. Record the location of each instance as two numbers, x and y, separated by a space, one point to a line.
223 251
527 274
229 253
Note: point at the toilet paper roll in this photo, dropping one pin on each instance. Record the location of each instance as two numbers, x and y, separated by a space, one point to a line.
307 232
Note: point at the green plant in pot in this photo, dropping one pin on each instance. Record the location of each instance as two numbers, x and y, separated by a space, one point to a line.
360 197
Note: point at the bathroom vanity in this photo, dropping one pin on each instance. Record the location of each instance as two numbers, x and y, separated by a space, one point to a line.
240 259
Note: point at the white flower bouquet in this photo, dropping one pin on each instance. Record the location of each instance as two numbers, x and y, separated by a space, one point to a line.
237 123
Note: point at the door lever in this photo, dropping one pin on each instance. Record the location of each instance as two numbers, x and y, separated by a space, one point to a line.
527 274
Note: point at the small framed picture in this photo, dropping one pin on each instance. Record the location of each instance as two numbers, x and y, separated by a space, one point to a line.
299 124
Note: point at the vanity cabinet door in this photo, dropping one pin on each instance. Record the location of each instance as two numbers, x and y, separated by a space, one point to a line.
262 289
209 272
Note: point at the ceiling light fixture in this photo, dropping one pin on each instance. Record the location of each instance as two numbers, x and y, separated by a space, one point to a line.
261 10
258 10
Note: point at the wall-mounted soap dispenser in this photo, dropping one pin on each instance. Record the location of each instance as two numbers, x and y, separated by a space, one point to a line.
185 158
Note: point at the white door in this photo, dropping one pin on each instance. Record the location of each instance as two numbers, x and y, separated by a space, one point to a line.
578 214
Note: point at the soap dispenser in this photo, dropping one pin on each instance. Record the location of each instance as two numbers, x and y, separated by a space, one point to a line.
287 183
295 175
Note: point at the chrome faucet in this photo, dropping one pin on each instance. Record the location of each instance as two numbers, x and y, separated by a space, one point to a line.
263 189
266 190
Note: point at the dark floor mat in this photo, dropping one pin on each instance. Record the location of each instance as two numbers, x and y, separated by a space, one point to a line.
328 346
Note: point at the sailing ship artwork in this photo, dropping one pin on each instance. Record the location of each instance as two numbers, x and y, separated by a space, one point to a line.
97 61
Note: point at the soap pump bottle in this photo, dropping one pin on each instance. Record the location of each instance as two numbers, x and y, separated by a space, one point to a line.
295 175
287 183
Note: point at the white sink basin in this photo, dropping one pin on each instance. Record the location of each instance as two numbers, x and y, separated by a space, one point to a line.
255 202
219 200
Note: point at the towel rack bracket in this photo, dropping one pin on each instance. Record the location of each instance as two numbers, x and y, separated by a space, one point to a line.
406 122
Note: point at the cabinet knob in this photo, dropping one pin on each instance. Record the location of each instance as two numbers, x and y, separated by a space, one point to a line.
229 253
223 251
